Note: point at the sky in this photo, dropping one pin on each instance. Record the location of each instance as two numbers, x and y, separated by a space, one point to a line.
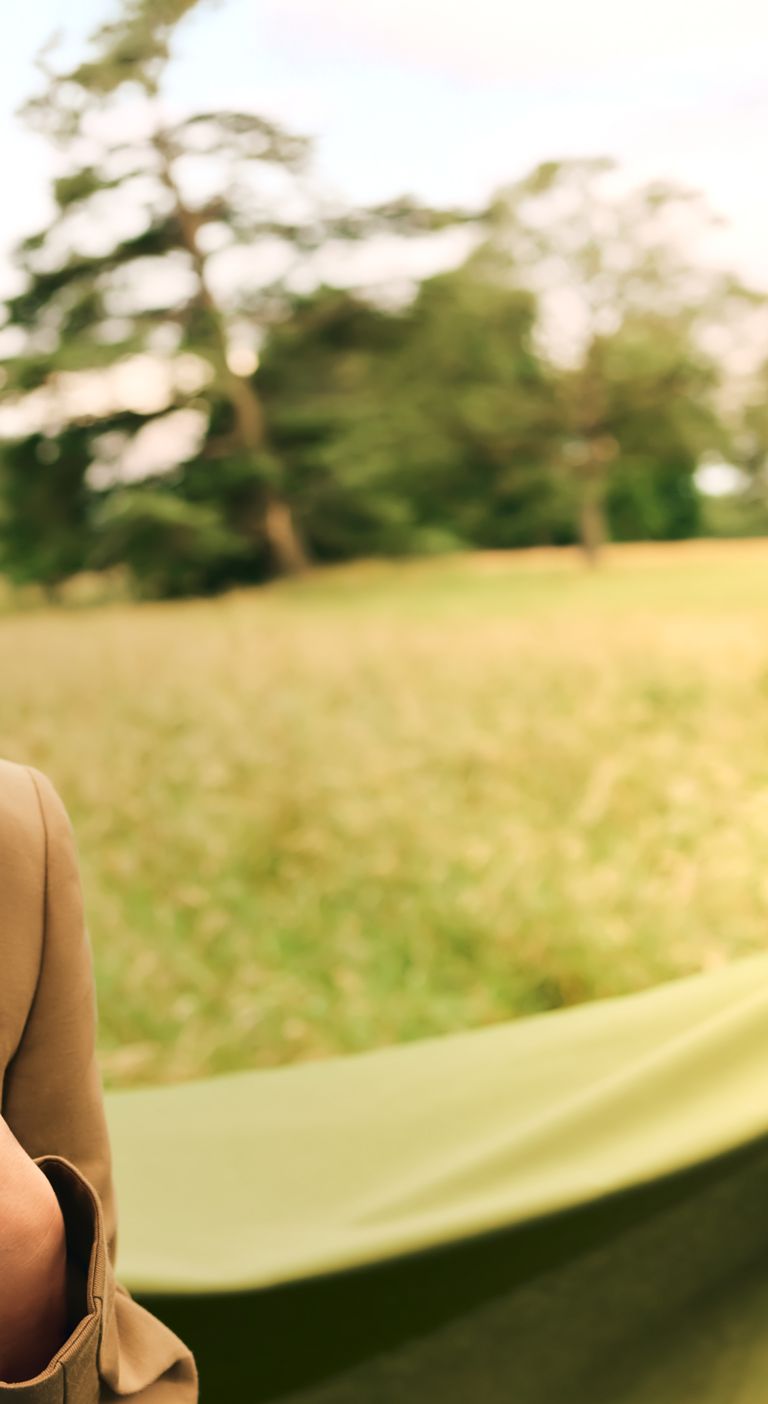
447 100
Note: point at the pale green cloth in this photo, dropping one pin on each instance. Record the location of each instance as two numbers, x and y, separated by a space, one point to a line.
542 1158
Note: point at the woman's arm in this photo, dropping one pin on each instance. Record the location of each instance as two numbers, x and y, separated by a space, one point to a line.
52 1103
33 1265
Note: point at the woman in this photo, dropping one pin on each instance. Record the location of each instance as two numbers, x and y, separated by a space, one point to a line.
69 1333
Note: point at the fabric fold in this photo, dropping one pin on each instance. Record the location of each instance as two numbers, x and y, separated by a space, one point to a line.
355 1160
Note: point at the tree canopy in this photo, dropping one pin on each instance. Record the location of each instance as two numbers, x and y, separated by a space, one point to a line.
556 386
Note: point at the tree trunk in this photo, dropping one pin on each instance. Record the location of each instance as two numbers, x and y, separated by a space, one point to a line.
284 541
592 528
275 520
600 452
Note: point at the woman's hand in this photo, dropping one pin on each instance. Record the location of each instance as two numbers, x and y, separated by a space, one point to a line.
33 1265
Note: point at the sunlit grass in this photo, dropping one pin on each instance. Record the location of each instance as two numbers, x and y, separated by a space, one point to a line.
385 803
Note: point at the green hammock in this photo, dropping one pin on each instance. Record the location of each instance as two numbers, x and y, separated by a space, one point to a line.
568 1209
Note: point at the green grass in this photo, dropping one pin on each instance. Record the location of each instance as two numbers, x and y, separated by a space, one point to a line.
386 803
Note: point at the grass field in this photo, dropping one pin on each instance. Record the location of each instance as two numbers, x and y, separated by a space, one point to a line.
389 802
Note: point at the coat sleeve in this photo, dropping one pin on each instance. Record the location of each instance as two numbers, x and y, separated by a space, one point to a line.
52 1101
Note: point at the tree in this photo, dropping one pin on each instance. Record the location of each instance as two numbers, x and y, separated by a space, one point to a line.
439 425
661 408
740 508
468 414
418 429
44 520
138 259
323 376
606 263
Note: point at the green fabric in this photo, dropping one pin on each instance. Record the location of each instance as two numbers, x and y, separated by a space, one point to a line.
568 1208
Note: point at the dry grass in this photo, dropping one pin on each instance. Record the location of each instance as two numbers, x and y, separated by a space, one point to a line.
389 803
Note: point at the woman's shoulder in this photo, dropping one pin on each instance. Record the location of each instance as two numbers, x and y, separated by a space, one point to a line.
21 825
23 867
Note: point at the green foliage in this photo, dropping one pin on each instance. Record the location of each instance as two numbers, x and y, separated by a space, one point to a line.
172 547
734 515
652 500
418 430
453 421
88 305
321 378
133 48
657 402
468 413
45 531
638 397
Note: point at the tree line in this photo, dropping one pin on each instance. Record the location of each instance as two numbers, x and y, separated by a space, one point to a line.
561 384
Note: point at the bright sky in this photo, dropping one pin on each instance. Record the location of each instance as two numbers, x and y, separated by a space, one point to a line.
448 99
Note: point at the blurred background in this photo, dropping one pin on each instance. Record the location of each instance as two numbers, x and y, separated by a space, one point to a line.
384 506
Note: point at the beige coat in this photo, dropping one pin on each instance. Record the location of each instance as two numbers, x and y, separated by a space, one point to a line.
52 1101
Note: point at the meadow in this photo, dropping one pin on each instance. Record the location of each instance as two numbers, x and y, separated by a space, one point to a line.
387 802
